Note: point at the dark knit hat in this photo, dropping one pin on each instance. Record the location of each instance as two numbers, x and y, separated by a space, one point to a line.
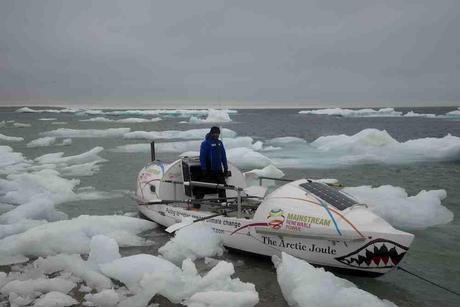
214 130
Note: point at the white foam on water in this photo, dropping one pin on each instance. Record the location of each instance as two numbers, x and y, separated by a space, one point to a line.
214 116
197 240
30 110
42 142
401 210
304 285
384 112
176 134
87 133
10 138
72 236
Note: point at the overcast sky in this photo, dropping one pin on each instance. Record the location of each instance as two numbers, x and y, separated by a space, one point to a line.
247 53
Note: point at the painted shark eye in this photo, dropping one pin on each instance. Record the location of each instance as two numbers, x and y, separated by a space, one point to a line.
152 188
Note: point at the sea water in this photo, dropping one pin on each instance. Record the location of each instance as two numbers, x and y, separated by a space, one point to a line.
434 254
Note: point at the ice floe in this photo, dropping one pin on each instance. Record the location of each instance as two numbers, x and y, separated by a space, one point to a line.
384 112
148 275
71 236
21 125
87 133
55 299
176 134
10 138
304 285
42 142
47 118
401 210
214 116
272 171
367 146
413 114
11 161
195 241
130 120
454 113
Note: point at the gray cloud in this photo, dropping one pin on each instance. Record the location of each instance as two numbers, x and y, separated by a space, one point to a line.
301 52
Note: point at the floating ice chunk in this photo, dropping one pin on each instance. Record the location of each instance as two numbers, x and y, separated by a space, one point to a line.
223 299
42 142
400 210
66 142
75 265
55 299
57 158
47 119
22 125
413 114
281 141
454 113
77 170
21 226
42 285
105 298
10 138
176 147
304 285
130 270
11 160
369 145
87 133
133 120
175 134
214 116
385 112
26 110
247 158
130 120
25 187
73 236
268 171
103 249
195 241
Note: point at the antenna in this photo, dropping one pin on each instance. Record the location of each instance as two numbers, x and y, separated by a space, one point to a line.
152 151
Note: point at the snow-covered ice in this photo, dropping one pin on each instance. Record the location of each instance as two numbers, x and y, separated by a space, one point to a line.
304 285
42 142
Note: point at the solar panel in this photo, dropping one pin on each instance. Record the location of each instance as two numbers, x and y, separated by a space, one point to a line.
329 195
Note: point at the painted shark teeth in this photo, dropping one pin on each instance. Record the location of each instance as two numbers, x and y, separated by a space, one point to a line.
379 253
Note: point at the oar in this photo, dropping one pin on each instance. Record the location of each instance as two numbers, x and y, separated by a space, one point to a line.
188 222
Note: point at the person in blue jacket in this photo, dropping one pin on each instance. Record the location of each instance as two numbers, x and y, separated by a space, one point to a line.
213 160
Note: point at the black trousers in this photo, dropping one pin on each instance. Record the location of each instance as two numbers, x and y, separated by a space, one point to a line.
212 177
